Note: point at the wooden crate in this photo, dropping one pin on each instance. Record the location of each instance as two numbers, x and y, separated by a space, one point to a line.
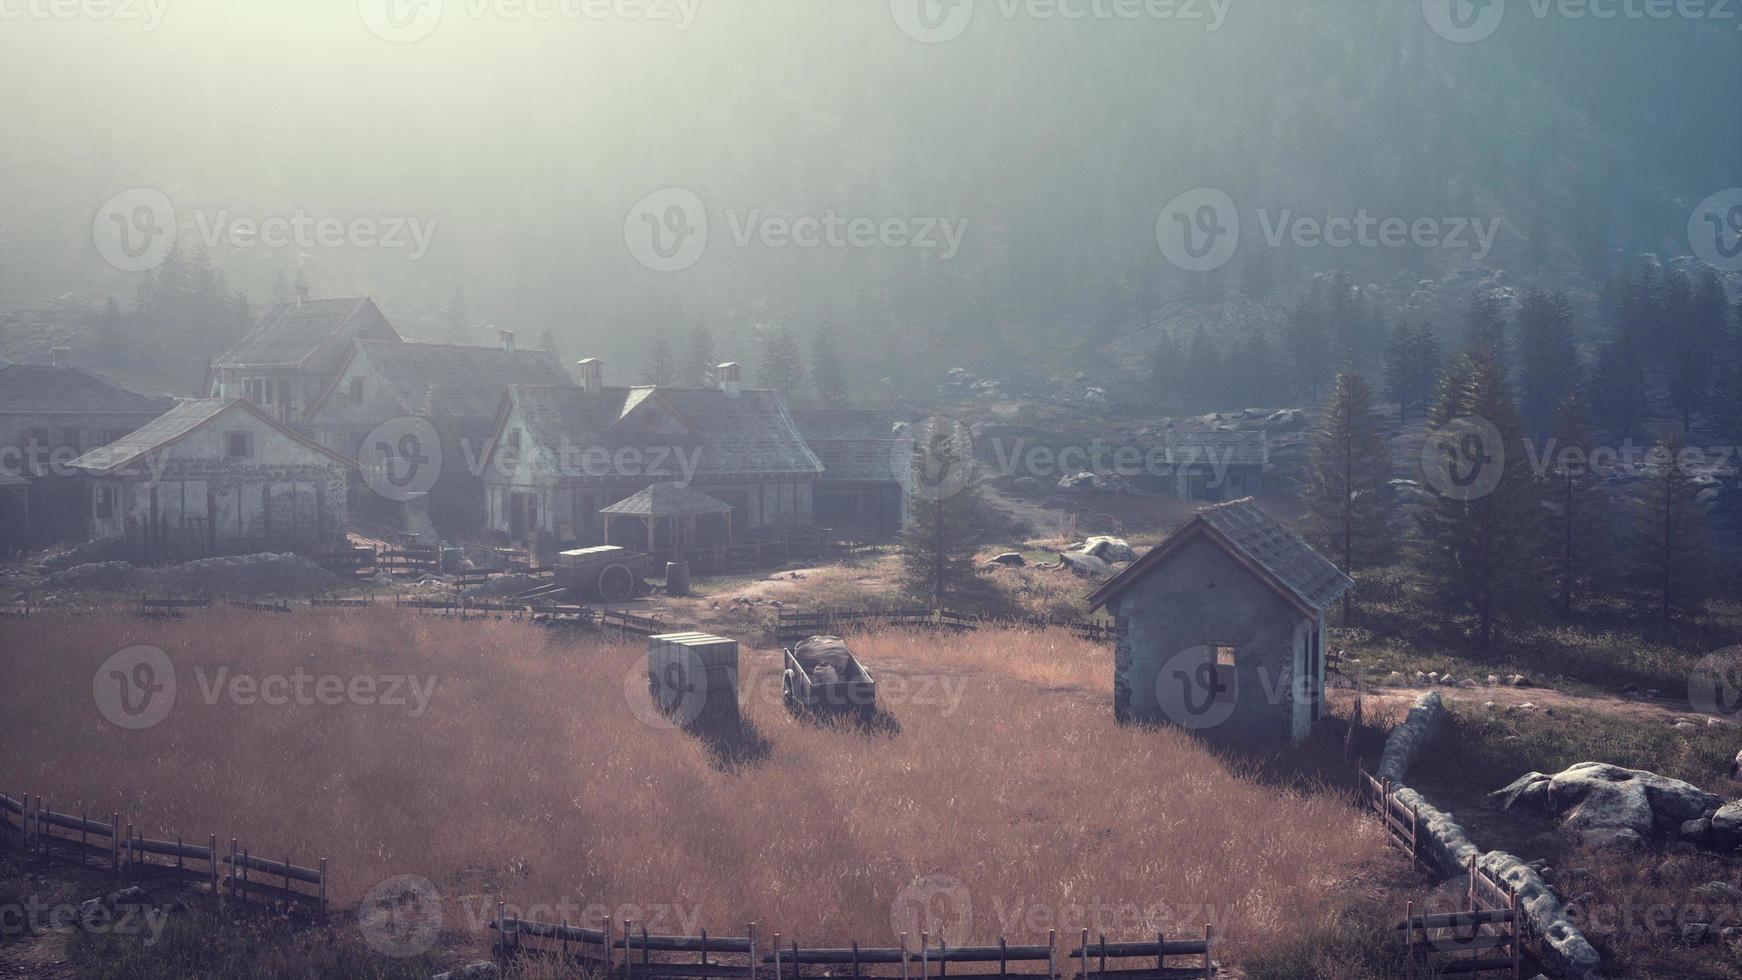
694 676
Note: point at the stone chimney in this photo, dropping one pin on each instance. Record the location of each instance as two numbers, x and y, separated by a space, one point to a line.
63 357
592 374
508 341
728 375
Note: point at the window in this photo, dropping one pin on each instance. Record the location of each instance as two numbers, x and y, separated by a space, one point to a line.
1224 656
239 445
357 390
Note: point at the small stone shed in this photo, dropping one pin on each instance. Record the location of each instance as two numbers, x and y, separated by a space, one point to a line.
1223 628
216 476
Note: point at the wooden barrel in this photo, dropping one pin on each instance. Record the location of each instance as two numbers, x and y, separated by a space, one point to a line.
677 578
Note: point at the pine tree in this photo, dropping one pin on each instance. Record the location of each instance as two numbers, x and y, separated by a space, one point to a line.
547 341
1349 508
1688 345
1548 360
1478 533
782 364
1727 383
1618 386
1400 369
827 376
1425 357
1485 326
702 359
1309 343
948 516
1577 504
661 363
1670 558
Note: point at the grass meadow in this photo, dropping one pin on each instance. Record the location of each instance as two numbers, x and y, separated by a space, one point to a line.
998 792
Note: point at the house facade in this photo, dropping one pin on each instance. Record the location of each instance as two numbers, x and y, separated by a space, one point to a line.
1217 464
561 454
866 466
289 358
216 476
50 414
456 389
1223 628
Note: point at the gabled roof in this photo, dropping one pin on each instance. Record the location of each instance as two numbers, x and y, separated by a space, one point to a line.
750 433
177 423
667 500
290 333
1273 553
1217 447
43 389
864 460
450 380
845 423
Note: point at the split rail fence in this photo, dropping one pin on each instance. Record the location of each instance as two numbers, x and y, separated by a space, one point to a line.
1402 823
631 953
1487 936
29 823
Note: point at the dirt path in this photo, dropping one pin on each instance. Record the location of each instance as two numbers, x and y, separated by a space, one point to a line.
1638 708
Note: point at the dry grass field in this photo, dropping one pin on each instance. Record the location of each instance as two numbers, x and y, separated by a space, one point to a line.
999 781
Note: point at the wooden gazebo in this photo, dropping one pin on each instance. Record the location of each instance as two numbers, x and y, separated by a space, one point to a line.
678 506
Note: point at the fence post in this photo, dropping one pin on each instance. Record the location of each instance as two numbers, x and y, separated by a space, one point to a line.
924 954
1083 968
1052 953
752 932
1409 940
1209 943
115 842
212 860
777 959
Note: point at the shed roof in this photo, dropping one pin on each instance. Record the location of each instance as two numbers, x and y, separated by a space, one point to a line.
290 333
43 389
453 380
1258 541
1227 447
667 500
177 423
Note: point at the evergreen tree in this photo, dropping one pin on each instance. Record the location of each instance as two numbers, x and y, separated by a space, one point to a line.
1577 503
1618 387
1485 326
1670 558
1309 343
547 341
1548 360
1478 531
1689 342
827 377
703 358
1349 507
1412 365
948 516
782 364
1257 281
1727 384
661 363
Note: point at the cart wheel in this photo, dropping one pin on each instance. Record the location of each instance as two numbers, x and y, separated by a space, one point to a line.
786 694
616 583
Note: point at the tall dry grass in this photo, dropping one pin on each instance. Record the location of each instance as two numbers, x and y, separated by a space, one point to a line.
530 777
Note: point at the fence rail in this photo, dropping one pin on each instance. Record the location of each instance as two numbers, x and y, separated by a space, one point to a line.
1402 823
1487 936
794 626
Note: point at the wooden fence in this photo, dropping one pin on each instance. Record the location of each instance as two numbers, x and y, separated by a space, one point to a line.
794 626
1402 823
631 953
1487 936
35 828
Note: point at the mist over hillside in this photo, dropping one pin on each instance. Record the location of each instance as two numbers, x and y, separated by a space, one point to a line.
502 161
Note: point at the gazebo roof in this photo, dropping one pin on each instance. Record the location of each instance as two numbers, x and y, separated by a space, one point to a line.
667 500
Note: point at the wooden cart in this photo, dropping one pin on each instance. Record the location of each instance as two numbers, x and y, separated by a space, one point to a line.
606 572
855 691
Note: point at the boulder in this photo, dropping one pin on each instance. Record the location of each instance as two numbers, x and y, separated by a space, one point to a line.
1728 820
1530 789
1599 796
1109 549
1736 765
1081 481
1013 559
1085 564
1719 891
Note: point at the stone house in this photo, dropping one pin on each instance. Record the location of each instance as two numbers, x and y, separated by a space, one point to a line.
1217 464
49 415
455 388
560 454
216 476
1223 628
866 467
290 357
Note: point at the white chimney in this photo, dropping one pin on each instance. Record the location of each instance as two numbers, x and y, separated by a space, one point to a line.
62 357
508 341
727 374
592 374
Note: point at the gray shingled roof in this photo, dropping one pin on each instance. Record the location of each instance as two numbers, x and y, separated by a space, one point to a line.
458 381
667 500
172 425
1218 447
864 460
845 423
1249 532
289 332
43 389
751 433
